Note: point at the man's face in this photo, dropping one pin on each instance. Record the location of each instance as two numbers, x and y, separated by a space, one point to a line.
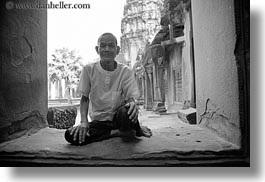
107 48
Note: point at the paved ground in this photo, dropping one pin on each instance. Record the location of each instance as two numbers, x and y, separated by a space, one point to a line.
170 137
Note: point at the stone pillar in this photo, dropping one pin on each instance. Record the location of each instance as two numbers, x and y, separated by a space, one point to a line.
63 88
160 80
53 90
140 82
166 85
149 90
145 90
217 87
155 84
161 83
138 79
143 86
57 89
60 89
50 88
23 70
158 105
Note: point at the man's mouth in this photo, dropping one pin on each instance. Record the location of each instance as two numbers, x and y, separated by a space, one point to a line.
107 54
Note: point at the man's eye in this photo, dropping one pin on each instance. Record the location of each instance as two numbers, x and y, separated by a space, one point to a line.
105 45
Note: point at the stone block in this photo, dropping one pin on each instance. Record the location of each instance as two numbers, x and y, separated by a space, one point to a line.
186 104
61 117
159 107
187 115
139 102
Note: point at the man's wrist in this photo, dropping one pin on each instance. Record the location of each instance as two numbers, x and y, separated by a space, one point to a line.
84 121
131 99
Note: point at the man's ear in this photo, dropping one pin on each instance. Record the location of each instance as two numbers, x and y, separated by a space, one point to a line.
97 49
118 50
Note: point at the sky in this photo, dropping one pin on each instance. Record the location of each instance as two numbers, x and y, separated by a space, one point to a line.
79 29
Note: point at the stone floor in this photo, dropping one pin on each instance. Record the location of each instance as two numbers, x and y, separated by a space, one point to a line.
173 143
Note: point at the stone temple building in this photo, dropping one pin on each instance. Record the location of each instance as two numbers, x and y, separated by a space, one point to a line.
140 23
202 57
198 66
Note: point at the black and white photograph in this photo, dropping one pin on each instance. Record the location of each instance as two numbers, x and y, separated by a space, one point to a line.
125 83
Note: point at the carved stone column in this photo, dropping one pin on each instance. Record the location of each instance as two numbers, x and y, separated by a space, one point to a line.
160 107
149 87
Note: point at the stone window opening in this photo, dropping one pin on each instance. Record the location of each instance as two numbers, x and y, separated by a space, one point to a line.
46 147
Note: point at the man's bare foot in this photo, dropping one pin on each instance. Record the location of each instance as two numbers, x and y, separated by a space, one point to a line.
145 132
118 133
115 133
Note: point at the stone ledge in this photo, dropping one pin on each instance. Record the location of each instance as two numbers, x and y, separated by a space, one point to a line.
177 159
187 115
173 143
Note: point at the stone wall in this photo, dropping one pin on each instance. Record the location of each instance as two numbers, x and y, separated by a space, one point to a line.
23 70
217 95
175 62
187 63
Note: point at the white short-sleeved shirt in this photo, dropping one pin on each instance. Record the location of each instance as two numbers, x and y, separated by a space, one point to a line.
107 90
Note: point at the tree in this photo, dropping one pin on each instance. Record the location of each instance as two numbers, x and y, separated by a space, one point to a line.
65 64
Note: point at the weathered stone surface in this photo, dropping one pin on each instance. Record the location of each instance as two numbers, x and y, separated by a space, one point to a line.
159 108
216 119
61 117
216 68
171 139
30 124
187 115
23 69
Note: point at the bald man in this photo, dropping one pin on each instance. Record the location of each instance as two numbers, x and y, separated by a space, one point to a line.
111 88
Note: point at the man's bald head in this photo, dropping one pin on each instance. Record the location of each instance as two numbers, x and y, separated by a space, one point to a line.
107 34
107 47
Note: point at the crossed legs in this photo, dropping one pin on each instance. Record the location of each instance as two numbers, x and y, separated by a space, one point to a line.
102 130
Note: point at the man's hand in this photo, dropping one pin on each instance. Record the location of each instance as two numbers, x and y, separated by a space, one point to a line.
80 131
133 110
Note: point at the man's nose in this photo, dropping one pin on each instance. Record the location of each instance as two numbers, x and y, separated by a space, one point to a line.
107 48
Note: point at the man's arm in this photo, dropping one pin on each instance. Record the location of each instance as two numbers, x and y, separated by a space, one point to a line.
133 109
84 104
130 92
80 131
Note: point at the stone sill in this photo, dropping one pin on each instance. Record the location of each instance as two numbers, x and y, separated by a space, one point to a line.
48 148
175 159
173 143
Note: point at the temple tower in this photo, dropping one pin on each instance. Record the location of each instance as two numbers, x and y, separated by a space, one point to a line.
139 25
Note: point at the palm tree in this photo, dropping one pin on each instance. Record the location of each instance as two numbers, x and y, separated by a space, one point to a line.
65 64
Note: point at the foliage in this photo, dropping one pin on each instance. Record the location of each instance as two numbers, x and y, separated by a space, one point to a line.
65 64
